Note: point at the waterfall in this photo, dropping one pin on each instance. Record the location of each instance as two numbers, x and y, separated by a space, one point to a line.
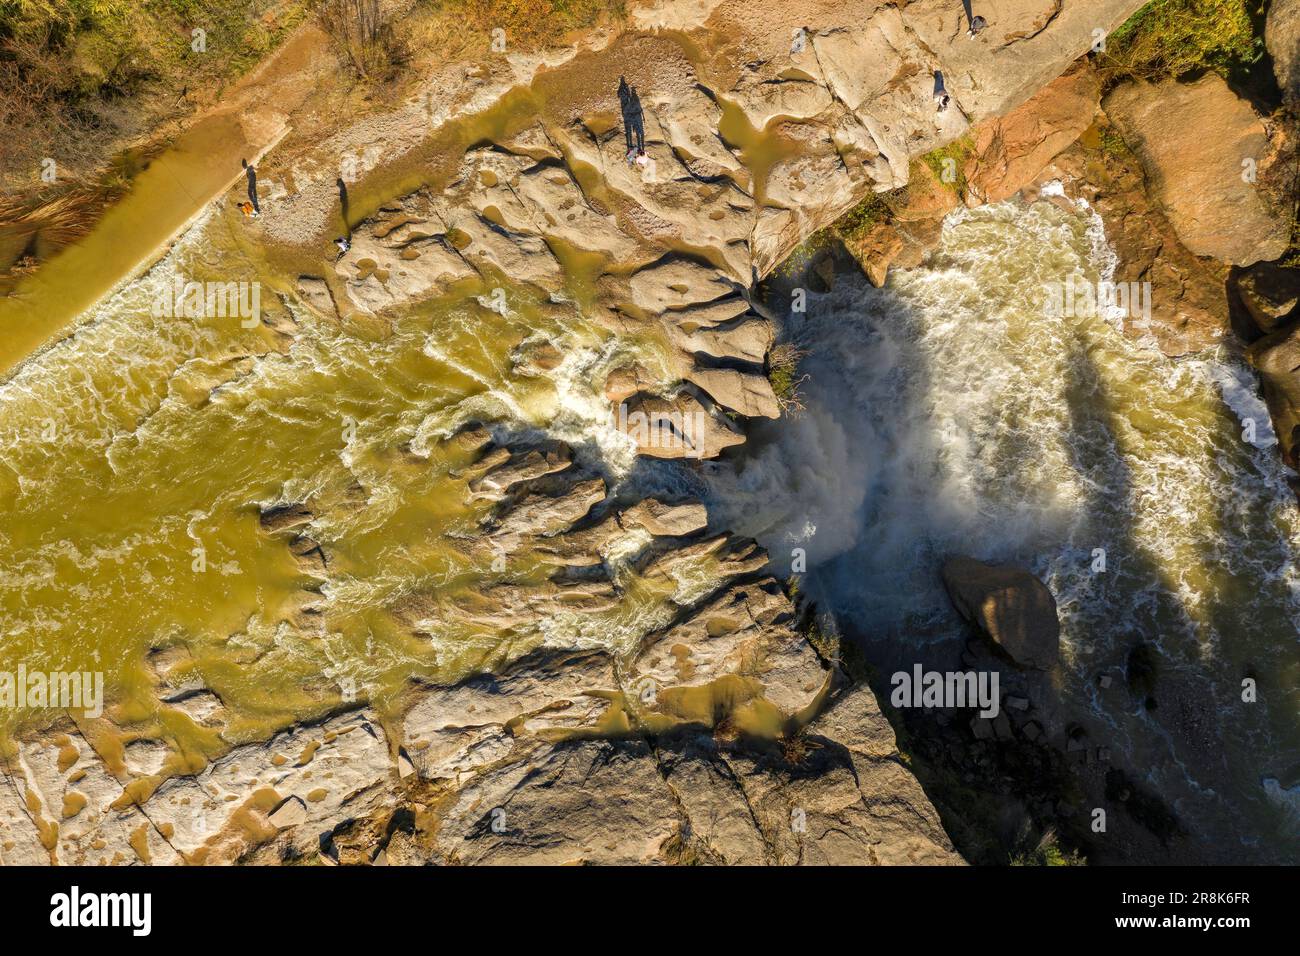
950 412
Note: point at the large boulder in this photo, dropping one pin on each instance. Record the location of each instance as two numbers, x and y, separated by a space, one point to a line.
746 393
677 284
1269 292
1282 36
658 518
745 341
876 250
1008 604
1277 357
676 427
1195 141
1011 150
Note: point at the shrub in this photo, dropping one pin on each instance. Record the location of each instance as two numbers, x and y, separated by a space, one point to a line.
957 152
783 373
1047 852
364 37
1171 38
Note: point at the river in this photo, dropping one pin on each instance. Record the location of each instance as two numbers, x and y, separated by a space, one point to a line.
952 412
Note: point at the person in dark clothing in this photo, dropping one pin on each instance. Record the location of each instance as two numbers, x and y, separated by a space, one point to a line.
343 202
941 97
976 24
252 186
633 118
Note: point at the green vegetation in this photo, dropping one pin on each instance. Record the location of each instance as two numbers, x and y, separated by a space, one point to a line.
1112 144
862 218
1048 852
948 163
830 647
856 226
90 84
783 373
877 208
74 73
803 254
826 645
1171 38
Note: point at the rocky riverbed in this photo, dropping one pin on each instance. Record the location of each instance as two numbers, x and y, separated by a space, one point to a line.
627 681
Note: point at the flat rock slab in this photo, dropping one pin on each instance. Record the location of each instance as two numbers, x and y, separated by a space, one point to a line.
1196 141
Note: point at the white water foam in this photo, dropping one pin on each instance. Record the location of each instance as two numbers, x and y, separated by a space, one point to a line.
947 414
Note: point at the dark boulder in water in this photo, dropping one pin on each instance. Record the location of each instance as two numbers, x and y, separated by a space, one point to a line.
1008 604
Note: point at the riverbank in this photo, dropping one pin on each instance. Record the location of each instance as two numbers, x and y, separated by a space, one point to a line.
409 469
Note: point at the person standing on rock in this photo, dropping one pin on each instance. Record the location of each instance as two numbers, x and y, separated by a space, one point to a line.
941 97
252 186
976 24
633 119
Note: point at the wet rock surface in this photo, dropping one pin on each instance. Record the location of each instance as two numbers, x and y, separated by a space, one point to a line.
1010 605
559 757
1010 151
1188 302
1277 357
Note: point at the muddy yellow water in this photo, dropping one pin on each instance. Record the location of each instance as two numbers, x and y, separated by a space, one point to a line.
760 149
135 459
164 197
137 455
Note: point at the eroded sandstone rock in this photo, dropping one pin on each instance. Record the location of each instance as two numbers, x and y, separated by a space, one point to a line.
667 520
20 838
746 340
79 809
546 740
677 284
1189 307
741 632
1193 139
680 426
327 771
1270 292
748 393
1011 150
